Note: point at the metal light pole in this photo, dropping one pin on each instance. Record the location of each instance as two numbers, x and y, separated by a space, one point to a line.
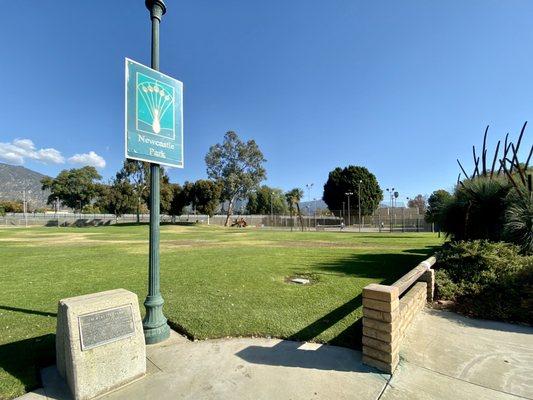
391 193
155 324
348 194
359 206
314 210
309 186
408 216
57 209
395 204
343 212
24 208
271 209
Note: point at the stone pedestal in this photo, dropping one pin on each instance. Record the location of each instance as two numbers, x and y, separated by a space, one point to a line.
100 342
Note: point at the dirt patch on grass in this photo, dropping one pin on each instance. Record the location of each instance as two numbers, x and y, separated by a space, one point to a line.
199 243
312 278
63 239
314 244
175 229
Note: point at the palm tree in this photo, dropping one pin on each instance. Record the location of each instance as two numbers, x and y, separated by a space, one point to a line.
293 198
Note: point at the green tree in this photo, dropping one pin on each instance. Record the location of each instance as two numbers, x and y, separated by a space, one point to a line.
236 166
205 196
180 199
346 180
165 193
75 188
293 198
266 199
9 206
118 198
137 173
436 204
419 201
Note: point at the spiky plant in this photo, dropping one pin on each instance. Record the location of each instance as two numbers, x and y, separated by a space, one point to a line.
477 209
494 202
486 207
518 226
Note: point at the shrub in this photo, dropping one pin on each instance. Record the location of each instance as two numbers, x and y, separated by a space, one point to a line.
12 206
446 288
477 209
518 226
487 280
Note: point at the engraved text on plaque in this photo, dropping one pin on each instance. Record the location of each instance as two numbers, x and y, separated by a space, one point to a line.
106 326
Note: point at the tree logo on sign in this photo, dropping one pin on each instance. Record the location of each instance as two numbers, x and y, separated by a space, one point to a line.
155 107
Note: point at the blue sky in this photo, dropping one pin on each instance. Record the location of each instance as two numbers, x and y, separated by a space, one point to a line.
401 87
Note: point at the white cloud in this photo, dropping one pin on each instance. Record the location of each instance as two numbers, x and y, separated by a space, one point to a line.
19 150
50 155
90 158
10 157
26 144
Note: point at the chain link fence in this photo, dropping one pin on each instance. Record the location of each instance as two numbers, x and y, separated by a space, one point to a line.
398 220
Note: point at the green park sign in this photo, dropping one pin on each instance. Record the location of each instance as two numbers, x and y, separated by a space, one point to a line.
154 116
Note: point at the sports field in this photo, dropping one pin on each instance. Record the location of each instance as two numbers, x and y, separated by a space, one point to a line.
216 282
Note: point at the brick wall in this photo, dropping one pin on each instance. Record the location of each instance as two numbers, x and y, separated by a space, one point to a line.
387 315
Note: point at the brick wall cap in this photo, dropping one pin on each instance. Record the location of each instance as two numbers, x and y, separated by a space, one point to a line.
375 287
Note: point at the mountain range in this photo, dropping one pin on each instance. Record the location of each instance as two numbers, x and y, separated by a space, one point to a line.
15 179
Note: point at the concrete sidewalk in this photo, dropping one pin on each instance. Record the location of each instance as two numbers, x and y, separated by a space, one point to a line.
445 356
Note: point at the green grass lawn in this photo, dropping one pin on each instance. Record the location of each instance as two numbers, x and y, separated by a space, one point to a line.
216 282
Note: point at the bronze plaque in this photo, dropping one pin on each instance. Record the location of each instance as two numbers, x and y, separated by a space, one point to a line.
102 327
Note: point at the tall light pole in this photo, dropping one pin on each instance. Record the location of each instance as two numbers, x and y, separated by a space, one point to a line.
391 194
57 209
395 203
343 212
24 208
155 324
271 209
309 186
314 210
408 215
348 194
359 200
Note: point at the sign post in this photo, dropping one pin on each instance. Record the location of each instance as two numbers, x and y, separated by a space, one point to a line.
154 134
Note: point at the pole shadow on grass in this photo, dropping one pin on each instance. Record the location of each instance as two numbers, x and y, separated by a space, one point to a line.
27 311
349 339
387 267
425 251
24 359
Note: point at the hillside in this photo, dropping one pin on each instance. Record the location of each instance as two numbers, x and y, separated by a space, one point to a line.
14 179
